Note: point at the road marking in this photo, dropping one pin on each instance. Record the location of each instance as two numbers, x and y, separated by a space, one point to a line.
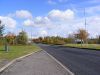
70 73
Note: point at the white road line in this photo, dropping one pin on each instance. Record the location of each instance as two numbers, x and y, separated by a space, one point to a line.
70 73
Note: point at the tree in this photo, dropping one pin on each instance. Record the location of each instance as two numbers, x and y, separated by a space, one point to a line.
10 37
69 39
99 40
82 35
1 33
1 29
22 38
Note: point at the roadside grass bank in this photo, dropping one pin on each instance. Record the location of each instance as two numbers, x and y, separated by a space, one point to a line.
87 46
17 51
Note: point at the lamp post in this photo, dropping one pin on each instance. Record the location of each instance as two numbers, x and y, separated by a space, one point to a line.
85 23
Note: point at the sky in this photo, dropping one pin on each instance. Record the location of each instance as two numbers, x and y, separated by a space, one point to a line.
50 17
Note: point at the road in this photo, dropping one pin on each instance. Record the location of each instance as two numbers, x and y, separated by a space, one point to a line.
79 61
39 63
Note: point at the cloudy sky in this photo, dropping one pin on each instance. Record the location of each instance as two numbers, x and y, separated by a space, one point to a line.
50 17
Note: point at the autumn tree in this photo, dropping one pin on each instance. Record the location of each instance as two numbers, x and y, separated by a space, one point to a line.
10 37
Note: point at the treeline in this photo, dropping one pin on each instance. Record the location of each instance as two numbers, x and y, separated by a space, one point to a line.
50 40
60 40
80 37
13 39
94 40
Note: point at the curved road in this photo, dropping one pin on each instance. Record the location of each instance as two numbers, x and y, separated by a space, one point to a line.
79 61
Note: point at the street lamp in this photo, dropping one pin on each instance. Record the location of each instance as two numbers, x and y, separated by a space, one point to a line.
85 23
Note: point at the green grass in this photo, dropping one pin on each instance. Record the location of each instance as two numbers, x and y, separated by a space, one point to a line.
17 51
91 46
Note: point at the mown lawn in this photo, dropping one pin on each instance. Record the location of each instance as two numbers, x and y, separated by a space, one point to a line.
91 46
17 51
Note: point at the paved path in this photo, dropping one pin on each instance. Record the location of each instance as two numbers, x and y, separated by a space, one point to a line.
37 64
79 61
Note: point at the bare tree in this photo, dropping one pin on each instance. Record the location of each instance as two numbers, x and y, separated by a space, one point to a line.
82 35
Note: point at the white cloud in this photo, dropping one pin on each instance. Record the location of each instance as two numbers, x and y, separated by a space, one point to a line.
43 33
58 22
23 14
93 10
93 25
28 22
42 21
8 21
48 23
37 22
61 15
62 23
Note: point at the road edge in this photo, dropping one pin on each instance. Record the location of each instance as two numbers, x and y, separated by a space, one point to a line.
69 72
83 48
16 59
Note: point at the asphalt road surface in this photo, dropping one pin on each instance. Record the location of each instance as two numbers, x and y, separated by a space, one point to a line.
79 61
39 63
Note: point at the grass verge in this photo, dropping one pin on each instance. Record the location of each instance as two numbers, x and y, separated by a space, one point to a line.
17 51
89 46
